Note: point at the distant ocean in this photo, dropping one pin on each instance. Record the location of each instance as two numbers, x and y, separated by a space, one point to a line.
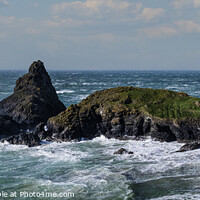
88 169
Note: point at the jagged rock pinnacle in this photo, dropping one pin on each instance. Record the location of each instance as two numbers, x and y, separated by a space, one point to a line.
37 68
34 99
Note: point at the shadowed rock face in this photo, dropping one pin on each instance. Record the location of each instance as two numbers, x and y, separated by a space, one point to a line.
8 127
34 99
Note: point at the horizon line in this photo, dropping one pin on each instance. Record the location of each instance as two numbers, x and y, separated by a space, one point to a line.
109 70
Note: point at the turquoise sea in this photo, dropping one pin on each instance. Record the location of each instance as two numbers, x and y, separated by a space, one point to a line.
88 170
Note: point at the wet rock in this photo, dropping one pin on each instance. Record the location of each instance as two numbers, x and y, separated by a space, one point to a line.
39 128
41 132
29 139
44 134
189 130
123 151
189 147
78 124
163 132
34 99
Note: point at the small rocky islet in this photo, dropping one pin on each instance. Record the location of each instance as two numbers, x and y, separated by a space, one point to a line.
122 113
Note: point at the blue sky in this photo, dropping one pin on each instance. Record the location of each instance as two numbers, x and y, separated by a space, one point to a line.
100 34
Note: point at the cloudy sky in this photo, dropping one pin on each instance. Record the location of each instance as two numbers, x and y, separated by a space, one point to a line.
100 34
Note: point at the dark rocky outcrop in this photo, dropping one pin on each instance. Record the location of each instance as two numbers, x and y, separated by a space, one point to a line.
189 147
29 139
8 127
122 113
41 132
128 112
123 151
34 99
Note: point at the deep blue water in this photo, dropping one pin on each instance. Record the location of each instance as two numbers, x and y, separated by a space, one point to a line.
89 169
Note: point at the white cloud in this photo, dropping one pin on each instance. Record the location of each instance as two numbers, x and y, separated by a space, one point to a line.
50 46
159 31
60 22
181 27
179 4
96 7
13 26
196 3
3 3
188 26
105 37
150 13
7 20
36 5
32 31
3 35
55 22
112 9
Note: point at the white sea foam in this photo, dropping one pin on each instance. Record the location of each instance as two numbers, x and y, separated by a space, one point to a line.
83 90
58 83
94 167
8 147
172 87
89 168
94 83
186 196
58 152
161 157
73 83
5 93
86 83
81 96
65 91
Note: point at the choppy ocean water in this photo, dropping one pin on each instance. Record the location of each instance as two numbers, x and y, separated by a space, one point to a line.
89 169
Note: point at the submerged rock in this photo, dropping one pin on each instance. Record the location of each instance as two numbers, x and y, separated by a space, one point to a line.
123 151
189 147
129 112
34 99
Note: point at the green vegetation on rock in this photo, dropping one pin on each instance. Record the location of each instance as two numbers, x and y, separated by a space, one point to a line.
160 103
131 112
155 102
